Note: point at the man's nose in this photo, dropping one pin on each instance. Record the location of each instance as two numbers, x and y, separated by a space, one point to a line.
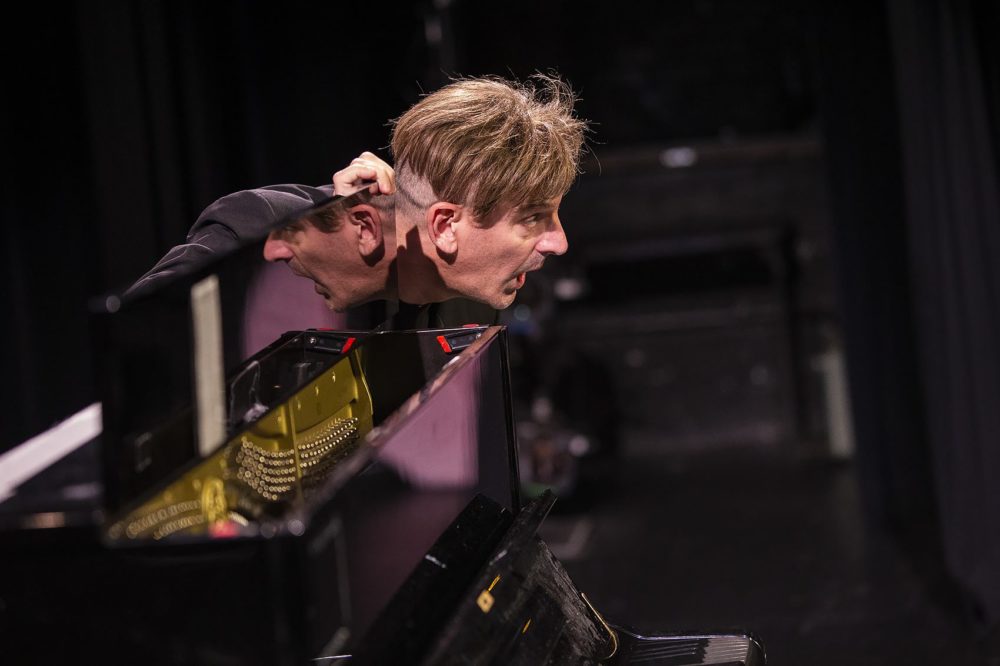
554 240
276 249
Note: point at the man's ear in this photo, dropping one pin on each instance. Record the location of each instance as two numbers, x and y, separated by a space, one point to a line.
366 223
441 219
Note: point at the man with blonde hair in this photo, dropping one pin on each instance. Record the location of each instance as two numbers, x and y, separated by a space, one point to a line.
481 167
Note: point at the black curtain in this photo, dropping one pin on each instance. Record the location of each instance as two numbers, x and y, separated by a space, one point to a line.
124 119
909 103
860 125
945 63
50 253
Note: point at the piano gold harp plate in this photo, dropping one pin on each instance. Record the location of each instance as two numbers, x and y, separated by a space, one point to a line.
276 460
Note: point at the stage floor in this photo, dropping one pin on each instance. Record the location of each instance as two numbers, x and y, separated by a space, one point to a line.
747 541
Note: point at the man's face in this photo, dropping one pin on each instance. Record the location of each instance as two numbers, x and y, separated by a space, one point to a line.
493 258
323 256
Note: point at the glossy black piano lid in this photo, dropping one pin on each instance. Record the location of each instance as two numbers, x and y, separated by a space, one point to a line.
449 442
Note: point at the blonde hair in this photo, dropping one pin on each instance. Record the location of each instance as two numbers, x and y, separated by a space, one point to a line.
482 142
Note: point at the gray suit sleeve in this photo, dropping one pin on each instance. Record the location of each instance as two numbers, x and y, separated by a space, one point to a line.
228 223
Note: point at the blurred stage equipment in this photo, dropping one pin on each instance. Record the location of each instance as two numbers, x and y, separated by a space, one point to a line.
701 276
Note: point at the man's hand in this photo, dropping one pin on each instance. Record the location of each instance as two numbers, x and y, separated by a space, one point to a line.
363 169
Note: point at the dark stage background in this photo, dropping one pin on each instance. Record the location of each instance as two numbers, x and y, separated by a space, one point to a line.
773 185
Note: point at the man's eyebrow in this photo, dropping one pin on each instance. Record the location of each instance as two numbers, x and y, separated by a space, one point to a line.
535 207
291 225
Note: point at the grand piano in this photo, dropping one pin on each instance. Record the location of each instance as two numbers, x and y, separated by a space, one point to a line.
336 497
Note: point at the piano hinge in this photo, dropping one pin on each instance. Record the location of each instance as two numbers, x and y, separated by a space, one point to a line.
611 632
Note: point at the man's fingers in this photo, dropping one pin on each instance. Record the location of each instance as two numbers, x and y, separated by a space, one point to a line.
366 166
386 180
378 171
346 181
385 177
364 172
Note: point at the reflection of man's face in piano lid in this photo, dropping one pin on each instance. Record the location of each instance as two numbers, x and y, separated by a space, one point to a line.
341 251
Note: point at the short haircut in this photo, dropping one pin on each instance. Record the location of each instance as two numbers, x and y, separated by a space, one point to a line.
482 142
